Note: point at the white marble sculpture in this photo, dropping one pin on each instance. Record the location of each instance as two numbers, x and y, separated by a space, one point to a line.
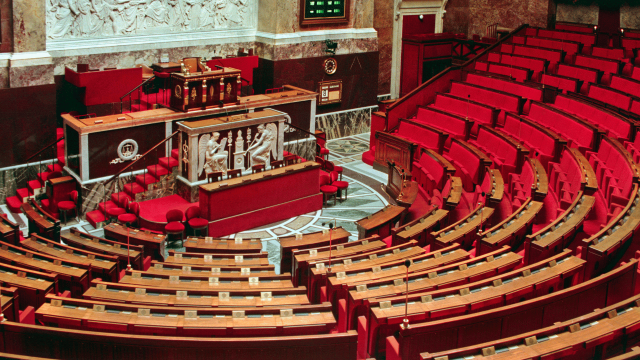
99 18
211 155
264 144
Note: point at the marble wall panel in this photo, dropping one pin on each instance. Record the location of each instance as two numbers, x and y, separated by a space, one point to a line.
6 26
630 16
4 78
305 148
189 193
473 16
16 178
584 13
29 31
383 23
347 123
31 75
313 49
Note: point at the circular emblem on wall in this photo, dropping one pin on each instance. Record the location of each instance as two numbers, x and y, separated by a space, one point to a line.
178 92
330 66
127 149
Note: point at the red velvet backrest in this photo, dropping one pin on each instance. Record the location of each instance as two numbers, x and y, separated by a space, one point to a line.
334 176
134 207
193 212
74 196
174 215
329 166
125 202
325 180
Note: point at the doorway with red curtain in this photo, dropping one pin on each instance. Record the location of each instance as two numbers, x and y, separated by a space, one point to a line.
609 24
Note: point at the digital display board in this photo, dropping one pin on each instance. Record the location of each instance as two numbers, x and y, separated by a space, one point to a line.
324 11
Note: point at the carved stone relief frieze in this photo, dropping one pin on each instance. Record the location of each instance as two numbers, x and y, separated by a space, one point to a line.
100 18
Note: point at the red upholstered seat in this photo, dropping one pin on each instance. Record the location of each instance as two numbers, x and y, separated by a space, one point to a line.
330 166
340 185
194 220
132 216
115 211
174 226
327 189
127 218
68 205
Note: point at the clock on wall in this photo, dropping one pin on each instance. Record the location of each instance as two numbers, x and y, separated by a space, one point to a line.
324 12
330 66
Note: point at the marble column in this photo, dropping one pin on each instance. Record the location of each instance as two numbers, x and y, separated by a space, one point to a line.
29 64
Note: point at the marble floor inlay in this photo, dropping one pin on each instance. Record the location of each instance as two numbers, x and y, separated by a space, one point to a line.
364 197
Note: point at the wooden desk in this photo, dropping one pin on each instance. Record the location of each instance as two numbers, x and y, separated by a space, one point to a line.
217 260
595 336
10 303
496 187
558 234
29 340
337 286
203 89
186 273
103 266
465 272
455 194
153 243
72 276
233 271
131 294
95 244
589 180
222 246
32 285
41 222
284 192
58 189
464 231
540 186
212 282
385 318
302 258
319 269
605 244
166 67
510 231
420 228
9 231
400 187
308 241
205 322
501 322
380 222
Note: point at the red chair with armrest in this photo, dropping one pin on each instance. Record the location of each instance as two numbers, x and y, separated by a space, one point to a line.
195 221
131 217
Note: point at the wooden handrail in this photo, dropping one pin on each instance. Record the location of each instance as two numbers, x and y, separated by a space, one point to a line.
443 72
43 149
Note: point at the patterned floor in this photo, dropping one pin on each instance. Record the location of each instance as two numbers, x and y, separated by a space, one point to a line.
364 197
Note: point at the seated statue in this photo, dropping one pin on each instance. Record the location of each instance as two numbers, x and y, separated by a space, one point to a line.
264 145
212 157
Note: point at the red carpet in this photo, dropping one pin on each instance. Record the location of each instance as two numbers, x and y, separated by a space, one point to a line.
155 210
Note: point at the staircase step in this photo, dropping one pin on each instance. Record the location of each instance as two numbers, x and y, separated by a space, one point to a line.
133 189
54 167
45 203
157 170
43 176
175 153
23 194
146 179
59 133
106 205
119 197
14 203
94 217
61 161
34 186
168 162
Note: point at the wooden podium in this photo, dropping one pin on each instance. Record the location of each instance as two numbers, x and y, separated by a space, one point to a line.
197 87
58 189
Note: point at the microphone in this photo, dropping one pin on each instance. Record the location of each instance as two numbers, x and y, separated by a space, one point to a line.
405 321
219 67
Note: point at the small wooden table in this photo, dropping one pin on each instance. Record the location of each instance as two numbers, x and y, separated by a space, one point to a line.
380 223
41 222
